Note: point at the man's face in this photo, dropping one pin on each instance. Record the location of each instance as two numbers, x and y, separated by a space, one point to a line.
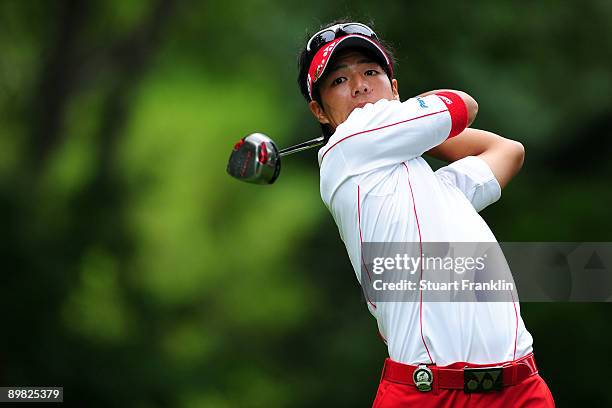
351 81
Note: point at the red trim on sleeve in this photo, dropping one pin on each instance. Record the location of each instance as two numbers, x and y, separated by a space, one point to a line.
457 109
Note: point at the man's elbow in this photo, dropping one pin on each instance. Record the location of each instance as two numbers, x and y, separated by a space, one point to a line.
518 154
472 109
505 158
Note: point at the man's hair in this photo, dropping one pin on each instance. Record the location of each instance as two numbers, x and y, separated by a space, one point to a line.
305 58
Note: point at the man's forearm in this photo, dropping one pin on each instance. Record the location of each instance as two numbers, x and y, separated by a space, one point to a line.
504 156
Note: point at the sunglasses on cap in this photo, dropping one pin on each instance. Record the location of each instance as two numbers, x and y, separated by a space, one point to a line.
328 34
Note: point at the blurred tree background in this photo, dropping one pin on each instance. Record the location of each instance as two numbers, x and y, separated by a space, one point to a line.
136 273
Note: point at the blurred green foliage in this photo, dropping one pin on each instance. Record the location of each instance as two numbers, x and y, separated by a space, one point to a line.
137 273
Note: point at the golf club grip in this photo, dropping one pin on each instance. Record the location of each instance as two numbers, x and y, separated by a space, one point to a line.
302 146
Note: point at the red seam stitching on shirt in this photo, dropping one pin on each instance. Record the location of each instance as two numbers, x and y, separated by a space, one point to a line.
361 240
421 264
379 128
516 326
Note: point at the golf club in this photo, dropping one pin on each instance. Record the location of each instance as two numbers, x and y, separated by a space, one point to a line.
256 159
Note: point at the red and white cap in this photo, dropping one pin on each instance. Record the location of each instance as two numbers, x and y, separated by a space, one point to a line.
323 56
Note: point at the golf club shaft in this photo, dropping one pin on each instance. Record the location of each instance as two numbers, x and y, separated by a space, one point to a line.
302 146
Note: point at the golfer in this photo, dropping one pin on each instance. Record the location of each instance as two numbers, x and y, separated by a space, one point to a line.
378 188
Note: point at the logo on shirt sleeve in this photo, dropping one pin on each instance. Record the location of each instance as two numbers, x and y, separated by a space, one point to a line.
422 103
445 99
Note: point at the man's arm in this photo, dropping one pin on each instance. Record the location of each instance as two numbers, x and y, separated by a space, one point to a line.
390 132
504 156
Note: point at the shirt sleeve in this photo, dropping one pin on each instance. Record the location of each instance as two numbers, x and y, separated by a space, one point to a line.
391 132
474 178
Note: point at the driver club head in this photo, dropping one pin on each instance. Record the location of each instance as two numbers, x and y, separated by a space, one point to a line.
255 159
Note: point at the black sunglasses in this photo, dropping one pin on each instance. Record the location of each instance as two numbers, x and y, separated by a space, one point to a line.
328 34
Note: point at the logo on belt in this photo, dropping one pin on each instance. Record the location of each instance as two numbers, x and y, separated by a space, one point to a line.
423 378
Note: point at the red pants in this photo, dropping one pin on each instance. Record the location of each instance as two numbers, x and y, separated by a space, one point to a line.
530 393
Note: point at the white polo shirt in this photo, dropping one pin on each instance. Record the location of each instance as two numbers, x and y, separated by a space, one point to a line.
378 188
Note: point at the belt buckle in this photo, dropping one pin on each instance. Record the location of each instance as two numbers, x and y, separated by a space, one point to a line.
423 378
482 379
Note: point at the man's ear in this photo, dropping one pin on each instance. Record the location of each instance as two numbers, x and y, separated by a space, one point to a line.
318 112
394 89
